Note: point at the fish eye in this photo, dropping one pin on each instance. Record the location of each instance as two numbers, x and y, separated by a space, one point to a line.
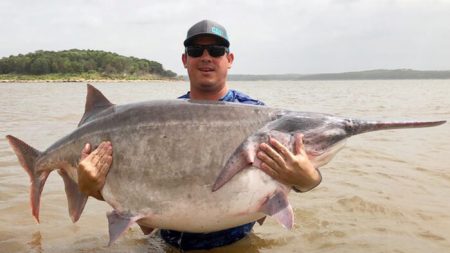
348 125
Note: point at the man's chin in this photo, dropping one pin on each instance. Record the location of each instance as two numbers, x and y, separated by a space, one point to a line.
208 87
207 82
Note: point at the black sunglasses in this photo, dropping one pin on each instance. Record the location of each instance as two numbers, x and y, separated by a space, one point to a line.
213 50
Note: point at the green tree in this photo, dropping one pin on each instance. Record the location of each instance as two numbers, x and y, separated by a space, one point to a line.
80 61
40 66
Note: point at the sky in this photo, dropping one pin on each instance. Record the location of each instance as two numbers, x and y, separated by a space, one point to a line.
267 36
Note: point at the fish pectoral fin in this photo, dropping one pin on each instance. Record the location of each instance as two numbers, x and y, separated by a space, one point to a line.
76 200
279 208
245 155
242 157
118 223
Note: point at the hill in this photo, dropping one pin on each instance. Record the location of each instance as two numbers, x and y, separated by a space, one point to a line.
81 63
379 74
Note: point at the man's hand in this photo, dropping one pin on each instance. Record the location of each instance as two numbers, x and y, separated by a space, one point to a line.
293 169
93 168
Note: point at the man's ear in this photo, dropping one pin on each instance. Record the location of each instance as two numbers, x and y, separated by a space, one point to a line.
184 59
230 58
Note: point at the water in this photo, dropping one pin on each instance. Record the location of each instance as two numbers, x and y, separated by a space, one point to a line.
385 192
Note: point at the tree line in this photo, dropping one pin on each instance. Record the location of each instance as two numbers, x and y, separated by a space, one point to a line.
376 74
77 61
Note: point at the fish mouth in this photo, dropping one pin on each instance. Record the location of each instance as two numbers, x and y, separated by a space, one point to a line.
320 157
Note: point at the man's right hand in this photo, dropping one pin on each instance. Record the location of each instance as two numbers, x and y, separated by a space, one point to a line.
93 168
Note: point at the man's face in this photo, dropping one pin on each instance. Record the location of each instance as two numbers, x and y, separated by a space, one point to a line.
207 74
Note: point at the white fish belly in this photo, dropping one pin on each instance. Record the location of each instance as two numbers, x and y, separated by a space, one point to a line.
195 208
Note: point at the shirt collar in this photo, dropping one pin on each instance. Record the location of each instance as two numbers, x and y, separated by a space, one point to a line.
228 97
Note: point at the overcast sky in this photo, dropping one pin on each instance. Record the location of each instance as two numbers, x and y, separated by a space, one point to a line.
267 37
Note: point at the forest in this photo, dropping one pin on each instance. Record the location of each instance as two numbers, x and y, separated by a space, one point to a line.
77 61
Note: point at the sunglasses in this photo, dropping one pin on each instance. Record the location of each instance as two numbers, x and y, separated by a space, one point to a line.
213 50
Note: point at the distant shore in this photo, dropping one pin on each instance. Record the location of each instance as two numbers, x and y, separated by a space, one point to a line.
380 74
90 81
376 74
64 78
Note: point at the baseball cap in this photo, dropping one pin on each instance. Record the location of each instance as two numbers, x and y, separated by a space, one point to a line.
207 27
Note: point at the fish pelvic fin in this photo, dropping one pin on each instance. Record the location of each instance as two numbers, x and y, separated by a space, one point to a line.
95 102
76 200
118 223
245 155
27 157
278 207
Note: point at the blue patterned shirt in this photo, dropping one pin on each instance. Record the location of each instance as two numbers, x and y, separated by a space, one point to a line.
233 96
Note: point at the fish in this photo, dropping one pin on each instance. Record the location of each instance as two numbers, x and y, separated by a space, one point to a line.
188 165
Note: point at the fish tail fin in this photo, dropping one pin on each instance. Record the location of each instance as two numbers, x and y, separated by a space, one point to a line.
27 156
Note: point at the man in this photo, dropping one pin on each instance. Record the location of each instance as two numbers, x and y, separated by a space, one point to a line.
207 59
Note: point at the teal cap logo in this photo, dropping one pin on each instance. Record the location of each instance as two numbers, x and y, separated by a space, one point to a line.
218 31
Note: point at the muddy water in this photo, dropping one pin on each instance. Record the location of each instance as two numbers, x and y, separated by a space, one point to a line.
385 192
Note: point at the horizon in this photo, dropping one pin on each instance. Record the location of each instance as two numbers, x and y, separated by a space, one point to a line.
250 74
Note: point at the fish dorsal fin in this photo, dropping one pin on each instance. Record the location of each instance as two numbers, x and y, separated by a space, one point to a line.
95 102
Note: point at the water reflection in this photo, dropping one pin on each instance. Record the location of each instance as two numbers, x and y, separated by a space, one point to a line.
36 242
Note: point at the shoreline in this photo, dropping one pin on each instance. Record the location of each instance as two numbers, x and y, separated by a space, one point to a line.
89 81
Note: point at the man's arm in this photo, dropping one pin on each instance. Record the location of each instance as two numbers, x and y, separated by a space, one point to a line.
293 169
93 168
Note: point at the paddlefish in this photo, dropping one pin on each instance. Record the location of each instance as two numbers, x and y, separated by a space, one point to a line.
188 165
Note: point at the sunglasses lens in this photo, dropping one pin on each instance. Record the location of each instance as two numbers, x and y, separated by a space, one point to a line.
214 51
194 51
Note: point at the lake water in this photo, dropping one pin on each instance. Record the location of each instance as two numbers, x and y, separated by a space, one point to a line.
384 192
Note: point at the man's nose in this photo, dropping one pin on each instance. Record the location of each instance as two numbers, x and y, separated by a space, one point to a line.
205 55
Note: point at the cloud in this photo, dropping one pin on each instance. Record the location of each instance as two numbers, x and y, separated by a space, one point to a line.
288 36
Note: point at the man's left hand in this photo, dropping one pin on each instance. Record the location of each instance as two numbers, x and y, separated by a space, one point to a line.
292 169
